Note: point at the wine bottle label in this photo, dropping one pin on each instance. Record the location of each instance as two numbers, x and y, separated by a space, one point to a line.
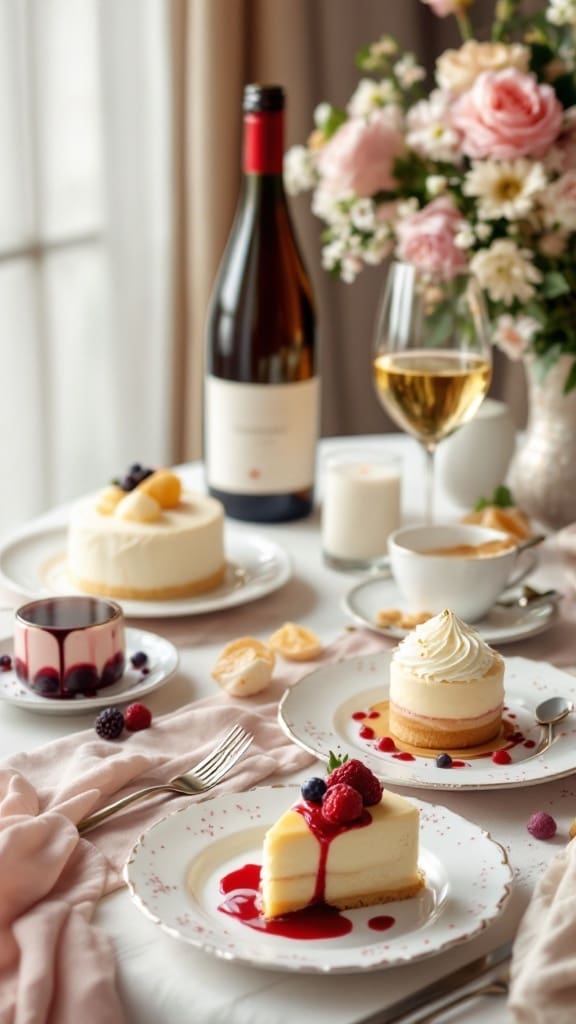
261 438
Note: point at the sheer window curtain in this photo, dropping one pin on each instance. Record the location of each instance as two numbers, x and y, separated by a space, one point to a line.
86 246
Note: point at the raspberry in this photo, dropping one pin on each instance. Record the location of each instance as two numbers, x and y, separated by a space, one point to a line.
109 723
139 659
136 717
541 825
313 790
341 804
357 775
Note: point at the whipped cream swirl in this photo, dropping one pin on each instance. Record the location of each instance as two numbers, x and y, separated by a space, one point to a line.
445 649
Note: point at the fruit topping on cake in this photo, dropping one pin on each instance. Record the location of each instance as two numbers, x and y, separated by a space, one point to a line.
138 508
164 486
346 843
244 667
295 643
144 537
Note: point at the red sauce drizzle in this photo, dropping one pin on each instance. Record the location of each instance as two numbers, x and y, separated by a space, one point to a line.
317 921
404 756
381 923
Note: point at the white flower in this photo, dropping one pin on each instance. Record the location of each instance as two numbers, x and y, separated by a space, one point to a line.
350 267
436 184
362 214
370 95
464 237
562 12
482 232
378 245
330 206
386 46
406 207
504 188
408 72
506 272
322 114
299 172
559 203
515 334
430 131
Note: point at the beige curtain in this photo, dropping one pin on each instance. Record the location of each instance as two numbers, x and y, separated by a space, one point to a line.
309 47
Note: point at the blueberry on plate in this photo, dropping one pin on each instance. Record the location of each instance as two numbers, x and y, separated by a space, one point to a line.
443 761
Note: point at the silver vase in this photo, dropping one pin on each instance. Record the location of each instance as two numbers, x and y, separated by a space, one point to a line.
543 471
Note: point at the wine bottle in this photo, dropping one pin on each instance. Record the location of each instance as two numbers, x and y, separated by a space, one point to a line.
261 396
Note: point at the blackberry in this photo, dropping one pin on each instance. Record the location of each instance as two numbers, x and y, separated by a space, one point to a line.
109 723
139 659
5 663
313 790
443 761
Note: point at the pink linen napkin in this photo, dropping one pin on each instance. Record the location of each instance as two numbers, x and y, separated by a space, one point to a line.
55 966
543 972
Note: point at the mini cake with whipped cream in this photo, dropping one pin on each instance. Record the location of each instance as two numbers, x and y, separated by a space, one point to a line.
346 843
446 686
145 538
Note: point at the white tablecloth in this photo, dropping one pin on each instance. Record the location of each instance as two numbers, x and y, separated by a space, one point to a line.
162 980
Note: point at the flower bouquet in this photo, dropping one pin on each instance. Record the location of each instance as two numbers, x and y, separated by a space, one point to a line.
478 173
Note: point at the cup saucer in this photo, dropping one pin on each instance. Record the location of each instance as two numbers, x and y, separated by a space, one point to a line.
500 626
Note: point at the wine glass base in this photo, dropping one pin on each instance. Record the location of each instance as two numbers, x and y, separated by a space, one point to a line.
376 564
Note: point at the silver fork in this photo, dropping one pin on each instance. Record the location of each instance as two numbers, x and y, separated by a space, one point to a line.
204 776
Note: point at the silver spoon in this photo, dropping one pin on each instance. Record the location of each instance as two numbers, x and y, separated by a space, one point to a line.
529 598
551 711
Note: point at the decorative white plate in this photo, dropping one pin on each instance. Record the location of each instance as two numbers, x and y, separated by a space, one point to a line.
500 626
317 713
175 869
162 663
32 563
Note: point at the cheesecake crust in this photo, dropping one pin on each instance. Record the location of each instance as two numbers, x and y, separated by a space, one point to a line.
157 594
444 734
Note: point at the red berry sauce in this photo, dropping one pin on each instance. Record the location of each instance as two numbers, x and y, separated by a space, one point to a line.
404 756
381 923
317 921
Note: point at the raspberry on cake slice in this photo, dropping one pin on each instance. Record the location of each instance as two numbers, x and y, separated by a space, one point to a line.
346 843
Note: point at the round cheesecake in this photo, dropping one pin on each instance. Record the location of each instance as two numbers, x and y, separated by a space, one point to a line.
178 554
446 686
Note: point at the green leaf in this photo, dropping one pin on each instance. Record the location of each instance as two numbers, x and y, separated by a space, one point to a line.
334 761
333 122
554 284
439 326
502 498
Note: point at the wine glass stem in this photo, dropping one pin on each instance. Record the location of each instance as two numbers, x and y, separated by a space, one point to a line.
429 450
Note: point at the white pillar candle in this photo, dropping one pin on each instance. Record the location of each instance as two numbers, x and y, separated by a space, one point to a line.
361 507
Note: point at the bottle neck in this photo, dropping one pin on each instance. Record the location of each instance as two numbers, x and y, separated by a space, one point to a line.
263 142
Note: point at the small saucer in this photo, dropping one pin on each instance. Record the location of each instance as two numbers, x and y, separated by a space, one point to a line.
499 626
135 683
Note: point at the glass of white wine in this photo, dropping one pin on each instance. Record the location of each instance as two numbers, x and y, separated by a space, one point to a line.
432 356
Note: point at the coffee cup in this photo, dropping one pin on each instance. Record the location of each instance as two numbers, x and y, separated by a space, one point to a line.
66 647
461 567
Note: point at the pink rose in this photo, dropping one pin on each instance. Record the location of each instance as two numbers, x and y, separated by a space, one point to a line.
426 239
507 114
360 156
445 7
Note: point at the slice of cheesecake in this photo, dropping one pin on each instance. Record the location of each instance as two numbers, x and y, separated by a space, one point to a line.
373 859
